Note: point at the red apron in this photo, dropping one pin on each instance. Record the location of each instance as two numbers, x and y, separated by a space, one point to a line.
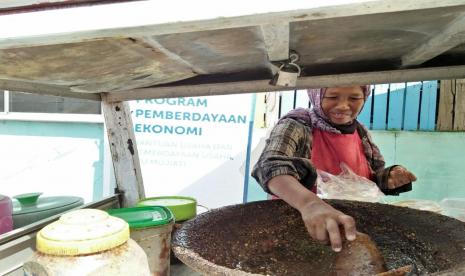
330 149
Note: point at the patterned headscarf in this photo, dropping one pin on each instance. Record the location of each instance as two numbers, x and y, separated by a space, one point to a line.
315 115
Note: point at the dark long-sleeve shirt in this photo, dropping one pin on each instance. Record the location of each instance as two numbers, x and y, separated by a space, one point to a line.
288 152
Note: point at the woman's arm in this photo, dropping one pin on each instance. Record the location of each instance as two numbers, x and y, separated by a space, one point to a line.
286 153
284 169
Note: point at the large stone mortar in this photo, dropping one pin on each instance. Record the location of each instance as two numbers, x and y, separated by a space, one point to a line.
268 237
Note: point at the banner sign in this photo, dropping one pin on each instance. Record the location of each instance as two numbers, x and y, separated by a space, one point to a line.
193 146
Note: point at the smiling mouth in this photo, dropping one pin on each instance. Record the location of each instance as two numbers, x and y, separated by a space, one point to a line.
340 115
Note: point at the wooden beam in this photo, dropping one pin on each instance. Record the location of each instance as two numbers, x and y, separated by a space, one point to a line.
123 151
394 76
459 110
22 3
221 17
45 89
174 57
272 109
28 5
276 39
445 120
448 38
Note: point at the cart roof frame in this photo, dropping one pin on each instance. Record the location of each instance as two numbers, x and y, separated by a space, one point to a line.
229 48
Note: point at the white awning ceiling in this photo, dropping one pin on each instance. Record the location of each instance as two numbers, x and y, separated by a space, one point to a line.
187 48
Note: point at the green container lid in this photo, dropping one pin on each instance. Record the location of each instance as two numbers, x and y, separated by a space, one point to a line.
182 207
141 217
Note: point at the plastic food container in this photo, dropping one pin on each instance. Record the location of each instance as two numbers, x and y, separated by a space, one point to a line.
151 228
6 219
182 207
86 242
30 207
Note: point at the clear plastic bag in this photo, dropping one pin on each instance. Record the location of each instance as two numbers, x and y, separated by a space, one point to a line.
347 185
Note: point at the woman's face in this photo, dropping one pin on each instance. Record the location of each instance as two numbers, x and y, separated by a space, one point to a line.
342 104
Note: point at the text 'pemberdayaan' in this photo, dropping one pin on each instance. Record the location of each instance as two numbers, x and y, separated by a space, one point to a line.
190 116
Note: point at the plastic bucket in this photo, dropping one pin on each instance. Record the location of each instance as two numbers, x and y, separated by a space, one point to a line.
150 227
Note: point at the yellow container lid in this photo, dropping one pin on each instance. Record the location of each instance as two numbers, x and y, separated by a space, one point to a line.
83 231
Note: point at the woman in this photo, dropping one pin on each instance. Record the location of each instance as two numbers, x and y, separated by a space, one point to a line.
321 138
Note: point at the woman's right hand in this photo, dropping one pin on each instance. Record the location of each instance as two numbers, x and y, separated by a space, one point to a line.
322 220
323 223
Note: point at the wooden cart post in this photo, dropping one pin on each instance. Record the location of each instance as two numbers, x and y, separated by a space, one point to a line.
124 152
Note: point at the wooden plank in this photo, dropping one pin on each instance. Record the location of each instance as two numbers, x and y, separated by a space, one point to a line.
405 75
106 65
124 152
446 105
380 106
260 111
438 44
459 118
302 99
45 89
7 4
157 47
33 5
276 38
272 109
162 20
365 115
396 106
287 102
428 105
412 105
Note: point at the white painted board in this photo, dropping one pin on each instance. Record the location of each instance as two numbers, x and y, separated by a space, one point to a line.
193 146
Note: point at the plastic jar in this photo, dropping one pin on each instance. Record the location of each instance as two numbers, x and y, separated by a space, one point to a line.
182 207
86 242
151 228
